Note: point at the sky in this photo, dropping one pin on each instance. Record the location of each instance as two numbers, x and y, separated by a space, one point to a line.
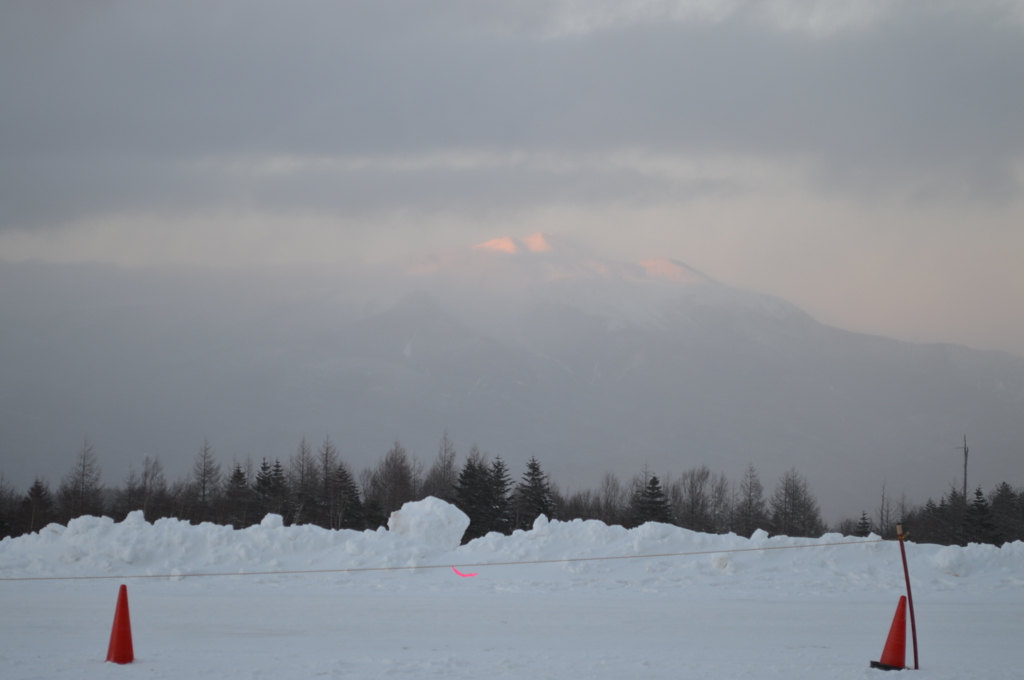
862 159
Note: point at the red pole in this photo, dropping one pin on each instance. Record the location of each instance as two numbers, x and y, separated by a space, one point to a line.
910 598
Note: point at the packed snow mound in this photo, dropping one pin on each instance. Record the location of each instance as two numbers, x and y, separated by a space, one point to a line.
430 521
552 556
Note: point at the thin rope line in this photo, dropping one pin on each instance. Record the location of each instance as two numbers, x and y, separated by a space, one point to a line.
437 566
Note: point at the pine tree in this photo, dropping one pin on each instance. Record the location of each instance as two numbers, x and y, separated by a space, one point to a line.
279 490
954 529
1007 512
473 495
262 489
37 509
863 525
533 496
980 525
374 512
7 508
500 510
348 512
649 503
237 499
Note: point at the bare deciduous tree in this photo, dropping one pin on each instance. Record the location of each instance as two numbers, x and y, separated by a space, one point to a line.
153 489
612 500
303 479
393 482
691 499
794 510
205 481
443 474
80 492
751 515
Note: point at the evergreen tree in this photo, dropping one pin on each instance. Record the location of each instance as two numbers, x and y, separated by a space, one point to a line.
237 499
473 495
374 512
954 529
262 489
37 509
347 509
863 525
932 523
1007 512
981 527
500 517
533 496
279 490
649 503
7 508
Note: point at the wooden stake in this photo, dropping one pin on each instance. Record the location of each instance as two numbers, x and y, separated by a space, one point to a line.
910 597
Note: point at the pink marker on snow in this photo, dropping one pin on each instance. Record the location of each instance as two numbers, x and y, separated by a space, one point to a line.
461 574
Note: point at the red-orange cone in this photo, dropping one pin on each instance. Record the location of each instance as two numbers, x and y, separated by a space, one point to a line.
894 656
120 649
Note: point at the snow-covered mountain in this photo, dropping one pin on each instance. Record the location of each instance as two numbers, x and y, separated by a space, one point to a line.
522 347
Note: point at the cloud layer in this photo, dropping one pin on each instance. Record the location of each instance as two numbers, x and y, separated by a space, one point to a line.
287 131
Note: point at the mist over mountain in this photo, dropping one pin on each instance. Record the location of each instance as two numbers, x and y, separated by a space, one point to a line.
526 348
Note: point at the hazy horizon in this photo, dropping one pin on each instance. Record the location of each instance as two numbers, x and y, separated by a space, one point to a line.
525 347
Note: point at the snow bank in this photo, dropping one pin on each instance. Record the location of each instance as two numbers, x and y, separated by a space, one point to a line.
559 554
564 600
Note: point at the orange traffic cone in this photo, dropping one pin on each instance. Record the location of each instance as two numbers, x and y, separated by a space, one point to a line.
120 649
894 656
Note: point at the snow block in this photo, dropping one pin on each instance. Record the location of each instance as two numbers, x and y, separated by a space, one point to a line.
430 521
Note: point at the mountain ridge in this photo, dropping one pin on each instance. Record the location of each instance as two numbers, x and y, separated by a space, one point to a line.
590 374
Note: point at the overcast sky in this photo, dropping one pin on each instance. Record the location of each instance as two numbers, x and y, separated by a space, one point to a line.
862 159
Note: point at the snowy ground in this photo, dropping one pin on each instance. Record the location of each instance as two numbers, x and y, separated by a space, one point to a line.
817 612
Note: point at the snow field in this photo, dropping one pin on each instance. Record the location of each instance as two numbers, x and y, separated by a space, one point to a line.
815 612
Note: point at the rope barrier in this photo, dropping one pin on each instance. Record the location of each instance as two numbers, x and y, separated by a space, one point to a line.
437 566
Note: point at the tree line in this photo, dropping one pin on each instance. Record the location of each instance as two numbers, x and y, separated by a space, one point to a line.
318 487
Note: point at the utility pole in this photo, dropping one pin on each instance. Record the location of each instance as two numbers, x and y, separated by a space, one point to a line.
965 469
